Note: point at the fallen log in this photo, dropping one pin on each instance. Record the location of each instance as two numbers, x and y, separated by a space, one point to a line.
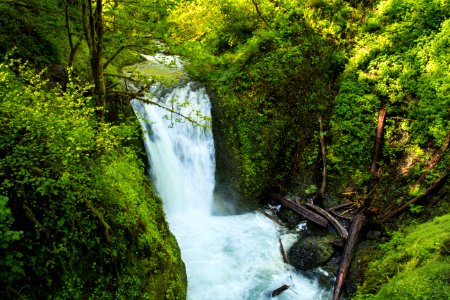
428 191
303 211
279 290
283 253
341 229
346 259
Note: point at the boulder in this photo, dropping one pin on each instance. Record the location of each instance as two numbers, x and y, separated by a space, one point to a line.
310 252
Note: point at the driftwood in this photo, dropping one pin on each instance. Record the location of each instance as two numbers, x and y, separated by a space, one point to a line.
324 160
427 192
283 253
341 229
279 290
348 254
381 118
303 211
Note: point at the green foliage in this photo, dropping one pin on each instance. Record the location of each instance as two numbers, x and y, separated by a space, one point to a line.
414 264
11 263
272 73
79 217
401 60
24 24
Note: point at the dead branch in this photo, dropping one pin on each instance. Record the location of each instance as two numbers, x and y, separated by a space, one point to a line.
434 161
428 191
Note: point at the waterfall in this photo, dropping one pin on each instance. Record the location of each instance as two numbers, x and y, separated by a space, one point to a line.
227 257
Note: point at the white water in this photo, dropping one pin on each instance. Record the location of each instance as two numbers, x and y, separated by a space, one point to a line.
227 257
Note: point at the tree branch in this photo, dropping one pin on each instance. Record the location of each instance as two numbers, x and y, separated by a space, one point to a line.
259 13
115 55
171 110
432 188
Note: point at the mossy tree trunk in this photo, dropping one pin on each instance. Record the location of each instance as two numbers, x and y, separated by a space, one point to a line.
93 29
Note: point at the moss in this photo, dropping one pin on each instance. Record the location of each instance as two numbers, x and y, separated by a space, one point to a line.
153 71
414 264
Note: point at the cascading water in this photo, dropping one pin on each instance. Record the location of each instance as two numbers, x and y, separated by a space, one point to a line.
226 257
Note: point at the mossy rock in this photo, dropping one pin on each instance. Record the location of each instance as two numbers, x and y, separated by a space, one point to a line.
310 252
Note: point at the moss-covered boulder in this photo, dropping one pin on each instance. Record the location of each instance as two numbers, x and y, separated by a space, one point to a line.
310 252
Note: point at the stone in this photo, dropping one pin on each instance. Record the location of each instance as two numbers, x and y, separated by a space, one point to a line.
310 252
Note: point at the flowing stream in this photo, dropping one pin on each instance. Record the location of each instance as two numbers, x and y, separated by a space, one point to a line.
226 257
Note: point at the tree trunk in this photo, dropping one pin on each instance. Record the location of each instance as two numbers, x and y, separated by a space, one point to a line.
324 160
380 126
346 259
93 30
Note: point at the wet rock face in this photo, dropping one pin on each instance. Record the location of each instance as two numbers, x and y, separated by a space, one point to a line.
310 252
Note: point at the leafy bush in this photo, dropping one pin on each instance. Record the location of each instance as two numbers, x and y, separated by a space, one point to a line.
401 60
79 217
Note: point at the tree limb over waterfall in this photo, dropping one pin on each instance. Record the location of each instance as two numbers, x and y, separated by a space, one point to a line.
173 111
